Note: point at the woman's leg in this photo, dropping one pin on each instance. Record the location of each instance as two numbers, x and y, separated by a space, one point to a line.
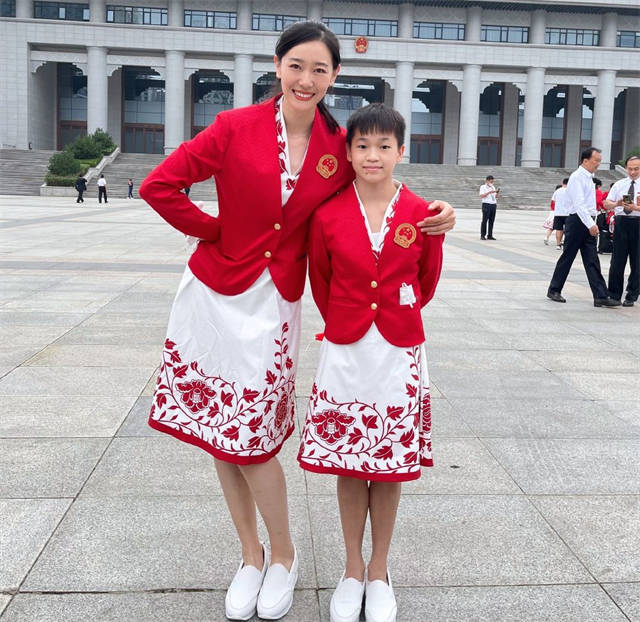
383 508
353 499
269 490
243 511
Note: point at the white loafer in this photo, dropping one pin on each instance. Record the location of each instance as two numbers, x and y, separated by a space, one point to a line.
380 605
346 602
242 595
276 595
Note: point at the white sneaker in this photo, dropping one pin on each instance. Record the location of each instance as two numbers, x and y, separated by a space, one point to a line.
380 604
346 601
276 594
546 242
558 248
242 595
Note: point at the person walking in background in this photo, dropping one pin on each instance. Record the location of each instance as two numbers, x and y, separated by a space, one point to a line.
581 232
81 186
489 195
102 189
624 198
130 188
560 212
548 223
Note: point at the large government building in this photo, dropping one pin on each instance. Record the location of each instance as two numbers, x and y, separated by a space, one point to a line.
519 82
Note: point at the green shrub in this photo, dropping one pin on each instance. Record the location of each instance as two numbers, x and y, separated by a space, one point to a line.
63 163
634 152
84 147
60 180
103 141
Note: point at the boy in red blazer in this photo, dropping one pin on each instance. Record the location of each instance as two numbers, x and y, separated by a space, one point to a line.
369 418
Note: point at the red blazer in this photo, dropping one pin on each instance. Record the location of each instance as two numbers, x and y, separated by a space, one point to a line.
352 289
252 230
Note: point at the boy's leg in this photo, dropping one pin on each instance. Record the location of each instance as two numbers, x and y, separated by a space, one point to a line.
353 499
384 498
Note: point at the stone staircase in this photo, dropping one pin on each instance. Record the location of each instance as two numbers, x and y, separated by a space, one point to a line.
520 188
22 171
137 166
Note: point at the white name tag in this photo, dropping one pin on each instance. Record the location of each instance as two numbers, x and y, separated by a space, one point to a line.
407 297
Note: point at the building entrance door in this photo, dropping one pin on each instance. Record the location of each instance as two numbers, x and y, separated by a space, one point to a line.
426 149
552 153
143 138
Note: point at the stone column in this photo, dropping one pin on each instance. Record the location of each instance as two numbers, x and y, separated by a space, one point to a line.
469 111
24 9
609 31
473 28
243 80
244 19
451 125
405 20
532 132
97 11
603 114
173 100
97 89
631 128
175 11
403 95
509 124
573 128
314 10
538 26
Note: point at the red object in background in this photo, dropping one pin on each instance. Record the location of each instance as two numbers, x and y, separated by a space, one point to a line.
361 45
319 336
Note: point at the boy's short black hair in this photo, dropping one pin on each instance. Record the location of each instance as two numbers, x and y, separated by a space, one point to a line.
565 181
376 118
489 178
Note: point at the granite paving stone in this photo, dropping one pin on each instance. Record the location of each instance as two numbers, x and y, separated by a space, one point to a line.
61 416
542 418
152 543
457 540
603 531
522 603
25 528
205 606
97 355
627 597
571 466
4 601
136 422
601 385
47 467
96 381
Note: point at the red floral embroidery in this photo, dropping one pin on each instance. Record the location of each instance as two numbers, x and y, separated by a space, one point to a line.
238 420
195 394
290 181
357 436
331 425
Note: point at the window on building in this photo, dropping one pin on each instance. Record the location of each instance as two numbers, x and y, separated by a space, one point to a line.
628 39
572 36
136 15
61 10
210 19
7 8
267 21
366 27
505 34
432 30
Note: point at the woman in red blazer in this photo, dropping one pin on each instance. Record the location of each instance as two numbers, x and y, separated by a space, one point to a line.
226 381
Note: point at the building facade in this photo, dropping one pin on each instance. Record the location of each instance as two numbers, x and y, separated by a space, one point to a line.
521 82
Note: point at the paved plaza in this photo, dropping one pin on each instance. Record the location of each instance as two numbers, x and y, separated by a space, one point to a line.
532 512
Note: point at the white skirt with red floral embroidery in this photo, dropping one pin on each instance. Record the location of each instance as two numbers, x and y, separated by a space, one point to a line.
226 381
369 414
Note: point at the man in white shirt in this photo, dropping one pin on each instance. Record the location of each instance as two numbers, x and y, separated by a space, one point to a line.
560 212
581 233
488 193
102 189
624 197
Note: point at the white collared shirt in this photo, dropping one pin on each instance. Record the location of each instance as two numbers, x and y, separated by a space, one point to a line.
619 189
490 198
560 198
581 196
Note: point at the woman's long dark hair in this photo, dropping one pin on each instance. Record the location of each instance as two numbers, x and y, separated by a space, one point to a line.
303 32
